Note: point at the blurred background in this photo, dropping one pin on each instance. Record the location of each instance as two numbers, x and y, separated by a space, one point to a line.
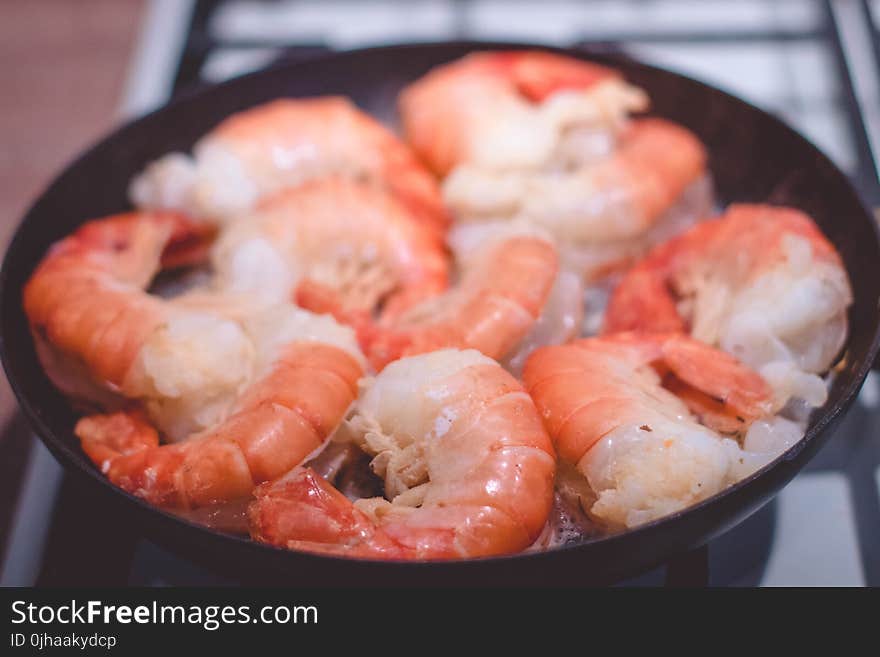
71 69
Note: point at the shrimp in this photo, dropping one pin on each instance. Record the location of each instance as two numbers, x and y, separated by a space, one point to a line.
602 215
545 139
494 306
85 301
282 144
306 380
332 245
104 340
651 422
503 110
467 467
562 314
760 282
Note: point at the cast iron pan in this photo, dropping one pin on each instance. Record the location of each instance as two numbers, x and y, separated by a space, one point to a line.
754 157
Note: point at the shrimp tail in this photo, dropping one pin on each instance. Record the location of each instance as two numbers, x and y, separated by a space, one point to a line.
725 394
189 244
126 447
643 305
304 511
384 346
106 437
323 300
538 75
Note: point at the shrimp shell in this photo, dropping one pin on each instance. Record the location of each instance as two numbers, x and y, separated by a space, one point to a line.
650 420
461 450
284 143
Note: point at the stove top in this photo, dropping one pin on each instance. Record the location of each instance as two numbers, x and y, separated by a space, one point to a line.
815 63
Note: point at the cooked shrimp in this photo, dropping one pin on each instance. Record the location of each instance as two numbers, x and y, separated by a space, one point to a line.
601 214
307 373
545 139
85 301
335 245
651 421
281 144
103 339
559 321
468 469
562 315
494 306
508 110
759 282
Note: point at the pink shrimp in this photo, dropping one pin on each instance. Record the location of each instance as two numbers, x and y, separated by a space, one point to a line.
281 419
467 110
494 306
281 144
85 301
335 245
546 141
250 392
466 464
759 282
650 420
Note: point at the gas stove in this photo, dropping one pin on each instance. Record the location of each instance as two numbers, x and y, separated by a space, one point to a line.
814 63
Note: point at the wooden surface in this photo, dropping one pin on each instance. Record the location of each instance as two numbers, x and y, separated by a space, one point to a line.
63 64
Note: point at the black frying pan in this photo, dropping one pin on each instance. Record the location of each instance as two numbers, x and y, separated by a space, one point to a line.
754 157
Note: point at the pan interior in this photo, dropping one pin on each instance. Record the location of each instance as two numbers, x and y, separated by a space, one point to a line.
753 158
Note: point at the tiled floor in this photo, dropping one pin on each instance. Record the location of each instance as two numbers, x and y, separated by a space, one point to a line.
62 67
